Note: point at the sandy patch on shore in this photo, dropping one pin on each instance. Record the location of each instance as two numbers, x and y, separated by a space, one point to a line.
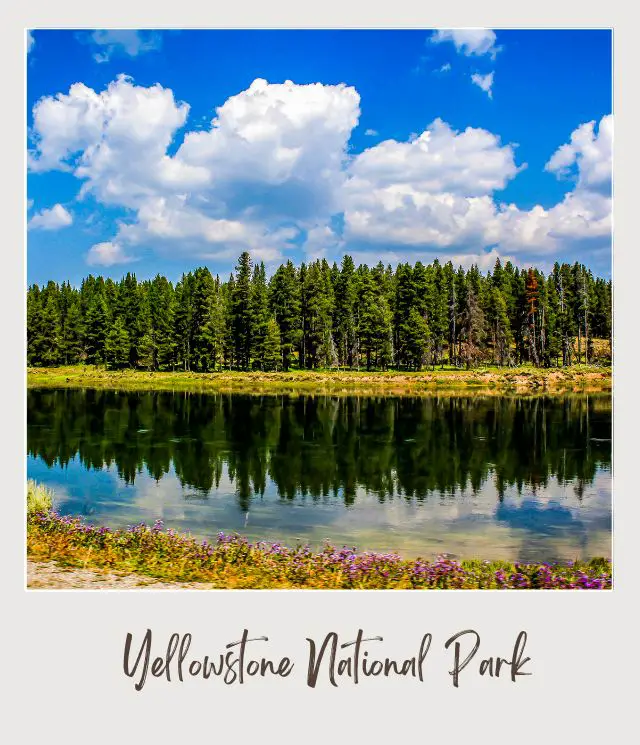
47 575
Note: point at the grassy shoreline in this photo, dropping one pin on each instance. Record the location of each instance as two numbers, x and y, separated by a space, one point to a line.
496 381
234 563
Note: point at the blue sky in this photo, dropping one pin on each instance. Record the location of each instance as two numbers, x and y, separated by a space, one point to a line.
162 151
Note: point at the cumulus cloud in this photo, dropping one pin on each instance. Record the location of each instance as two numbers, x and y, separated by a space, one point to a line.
273 154
439 191
51 219
272 171
371 133
107 254
432 190
484 82
121 42
584 214
30 41
277 145
468 41
472 162
587 156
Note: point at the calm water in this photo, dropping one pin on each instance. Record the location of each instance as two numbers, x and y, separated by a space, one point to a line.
492 477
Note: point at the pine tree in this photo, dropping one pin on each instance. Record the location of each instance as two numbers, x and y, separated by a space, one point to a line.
217 325
472 327
241 312
260 315
127 306
34 326
72 334
183 320
500 329
284 297
332 316
272 352
51 329
96 327
450 284
531 295
345 321
202 305
405 302
383 281
553 336
417 339
117 345
162 310
317 332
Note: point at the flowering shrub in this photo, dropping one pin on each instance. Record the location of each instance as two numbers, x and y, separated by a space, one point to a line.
233 562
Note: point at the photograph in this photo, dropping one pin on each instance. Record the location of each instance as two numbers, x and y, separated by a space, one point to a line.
318 309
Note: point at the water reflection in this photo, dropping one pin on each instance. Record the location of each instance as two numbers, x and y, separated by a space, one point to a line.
493 476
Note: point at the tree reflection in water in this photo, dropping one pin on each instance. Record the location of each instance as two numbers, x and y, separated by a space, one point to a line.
317 447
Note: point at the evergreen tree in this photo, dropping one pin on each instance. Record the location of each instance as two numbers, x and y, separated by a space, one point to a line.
500 330
183 320
472 328
72 351
96 327
284 297
117 345
407 318
217 325
50 326
162 311
346 294
241 312
272 359
260 315
202 330
34 326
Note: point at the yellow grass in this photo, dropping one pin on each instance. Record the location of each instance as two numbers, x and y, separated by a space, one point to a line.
524 380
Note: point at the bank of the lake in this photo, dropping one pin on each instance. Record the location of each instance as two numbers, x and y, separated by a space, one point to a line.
524 380
232 562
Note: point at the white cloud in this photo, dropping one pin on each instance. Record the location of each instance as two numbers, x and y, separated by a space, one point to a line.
437 191
272 170
277 145
274 154
485 82
469 41
30 41
51 219
580 216
445 68
587 157
122 42
472 162
371 133
107 254
322 242
109 138
433 190
29 204
584 214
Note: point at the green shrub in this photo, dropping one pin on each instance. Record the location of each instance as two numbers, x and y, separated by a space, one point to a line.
39 498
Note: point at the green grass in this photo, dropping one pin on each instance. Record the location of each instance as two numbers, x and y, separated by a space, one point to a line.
490 380
39 498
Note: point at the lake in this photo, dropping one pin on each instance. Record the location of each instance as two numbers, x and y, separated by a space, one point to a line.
491 477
